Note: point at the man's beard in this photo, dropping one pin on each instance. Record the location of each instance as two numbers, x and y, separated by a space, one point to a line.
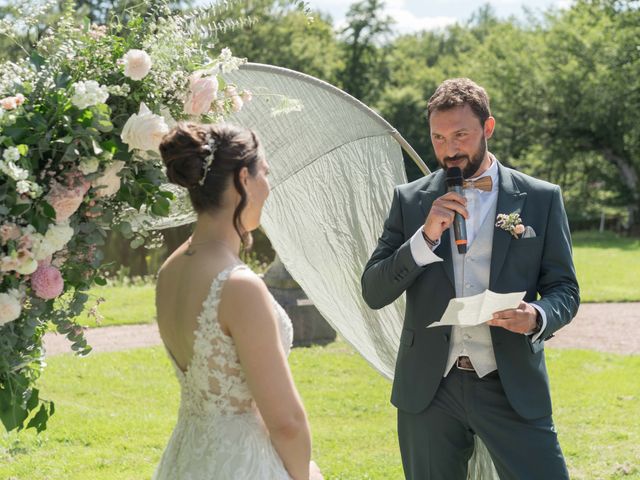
473 163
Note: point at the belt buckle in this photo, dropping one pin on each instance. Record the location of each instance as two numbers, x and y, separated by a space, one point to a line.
464 363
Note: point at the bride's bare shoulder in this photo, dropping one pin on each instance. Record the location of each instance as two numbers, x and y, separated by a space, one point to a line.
244 297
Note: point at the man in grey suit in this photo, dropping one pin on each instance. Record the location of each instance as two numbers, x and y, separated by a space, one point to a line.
490 380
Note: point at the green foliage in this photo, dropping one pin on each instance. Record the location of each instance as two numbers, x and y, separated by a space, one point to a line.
279 34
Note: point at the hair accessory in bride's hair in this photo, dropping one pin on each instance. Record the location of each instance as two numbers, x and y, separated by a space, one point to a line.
208 160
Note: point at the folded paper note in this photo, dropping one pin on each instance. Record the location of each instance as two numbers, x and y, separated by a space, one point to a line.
470 311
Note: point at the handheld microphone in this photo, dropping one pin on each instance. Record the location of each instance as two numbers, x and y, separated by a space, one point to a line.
454 184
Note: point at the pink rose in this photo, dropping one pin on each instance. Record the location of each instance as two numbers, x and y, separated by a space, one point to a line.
9 103
9 263
65 201
246 96
518 229
8 232
202 91
236 103
47 282
230 91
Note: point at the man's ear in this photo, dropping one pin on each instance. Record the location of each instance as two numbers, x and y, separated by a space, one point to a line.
489 126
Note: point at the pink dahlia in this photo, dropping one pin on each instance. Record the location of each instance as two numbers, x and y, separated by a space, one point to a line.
47 282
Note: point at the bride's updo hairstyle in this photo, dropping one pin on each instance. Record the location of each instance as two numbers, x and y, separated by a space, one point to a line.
186 152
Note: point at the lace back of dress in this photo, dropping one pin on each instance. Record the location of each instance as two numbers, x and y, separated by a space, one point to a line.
214 382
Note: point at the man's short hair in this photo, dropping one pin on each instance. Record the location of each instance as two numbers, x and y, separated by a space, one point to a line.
457 92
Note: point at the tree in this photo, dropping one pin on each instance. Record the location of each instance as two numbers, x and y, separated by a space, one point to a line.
280 34
365 71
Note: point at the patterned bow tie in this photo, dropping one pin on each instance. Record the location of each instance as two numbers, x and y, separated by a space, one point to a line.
485 184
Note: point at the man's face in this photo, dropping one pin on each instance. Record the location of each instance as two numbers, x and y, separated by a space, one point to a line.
460 140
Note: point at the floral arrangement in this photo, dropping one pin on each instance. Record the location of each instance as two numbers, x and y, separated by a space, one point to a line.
511 223
81 118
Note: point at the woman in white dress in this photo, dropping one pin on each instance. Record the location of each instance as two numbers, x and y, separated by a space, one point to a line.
240 416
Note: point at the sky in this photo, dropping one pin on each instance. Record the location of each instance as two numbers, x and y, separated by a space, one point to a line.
414 15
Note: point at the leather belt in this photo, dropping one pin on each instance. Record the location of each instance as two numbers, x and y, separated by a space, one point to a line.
464 363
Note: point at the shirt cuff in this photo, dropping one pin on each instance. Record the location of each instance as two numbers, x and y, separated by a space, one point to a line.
543 315
422 254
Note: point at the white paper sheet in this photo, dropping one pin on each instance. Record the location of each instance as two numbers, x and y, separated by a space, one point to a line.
477 309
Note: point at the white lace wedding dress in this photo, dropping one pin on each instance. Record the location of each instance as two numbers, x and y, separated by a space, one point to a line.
219 434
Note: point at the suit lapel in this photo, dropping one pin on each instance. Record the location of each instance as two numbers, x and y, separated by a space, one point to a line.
510 200
436 189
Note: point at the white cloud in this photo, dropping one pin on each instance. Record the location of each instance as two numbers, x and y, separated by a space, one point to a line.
407 22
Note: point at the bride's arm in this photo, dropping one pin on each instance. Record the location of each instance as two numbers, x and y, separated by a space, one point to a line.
246 310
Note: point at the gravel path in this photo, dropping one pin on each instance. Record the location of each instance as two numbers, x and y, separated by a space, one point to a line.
605 327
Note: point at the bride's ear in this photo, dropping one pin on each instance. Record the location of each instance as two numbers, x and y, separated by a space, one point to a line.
243 176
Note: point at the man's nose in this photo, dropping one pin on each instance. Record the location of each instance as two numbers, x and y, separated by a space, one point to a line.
452 148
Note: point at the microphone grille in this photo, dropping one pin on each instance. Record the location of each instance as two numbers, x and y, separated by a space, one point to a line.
454 177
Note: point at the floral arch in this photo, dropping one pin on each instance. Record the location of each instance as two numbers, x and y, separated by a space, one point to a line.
81 117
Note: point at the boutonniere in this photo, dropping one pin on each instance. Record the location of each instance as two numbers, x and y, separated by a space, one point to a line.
511 223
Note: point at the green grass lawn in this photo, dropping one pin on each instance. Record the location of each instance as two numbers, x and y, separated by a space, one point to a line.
123 305
116 411
607 266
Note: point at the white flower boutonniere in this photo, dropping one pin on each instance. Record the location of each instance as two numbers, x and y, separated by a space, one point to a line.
511 223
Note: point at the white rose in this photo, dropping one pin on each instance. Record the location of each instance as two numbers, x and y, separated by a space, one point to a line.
225 54
10 308
144 130
88 93
109 181
12 170
137 64
41 249
23 186
58 235
89 165
27 267
11 154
